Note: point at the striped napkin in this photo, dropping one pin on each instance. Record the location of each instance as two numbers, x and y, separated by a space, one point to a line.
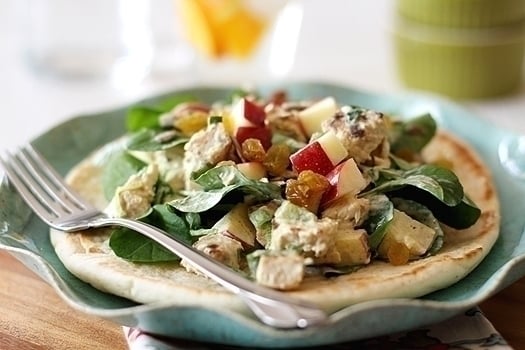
471 330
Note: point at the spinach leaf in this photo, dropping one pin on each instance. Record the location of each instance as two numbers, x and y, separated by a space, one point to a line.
163 192
435 187
141 117
217 182
200 201
117 170
412 135
459 216
147 117
149 140
440 182
380 214
261 218
135 247
170 102
193 220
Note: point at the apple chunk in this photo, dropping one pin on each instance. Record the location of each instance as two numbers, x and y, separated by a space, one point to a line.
333 148
311 157
261 133
236 224
252 170
247 113
312 117
320 156
346 178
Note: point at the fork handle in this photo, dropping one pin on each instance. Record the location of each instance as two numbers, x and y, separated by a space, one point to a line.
272 307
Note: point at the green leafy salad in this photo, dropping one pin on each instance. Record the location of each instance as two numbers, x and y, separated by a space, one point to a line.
278 189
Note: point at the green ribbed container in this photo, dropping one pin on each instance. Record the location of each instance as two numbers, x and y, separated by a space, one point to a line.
463 13
462 64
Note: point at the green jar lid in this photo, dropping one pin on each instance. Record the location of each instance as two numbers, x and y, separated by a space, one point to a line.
463 13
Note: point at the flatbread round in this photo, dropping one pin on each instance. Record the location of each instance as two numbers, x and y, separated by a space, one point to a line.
88 256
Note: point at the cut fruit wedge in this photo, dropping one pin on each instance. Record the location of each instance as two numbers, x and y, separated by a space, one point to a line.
221 27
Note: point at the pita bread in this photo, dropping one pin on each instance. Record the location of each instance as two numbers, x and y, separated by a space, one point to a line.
88 256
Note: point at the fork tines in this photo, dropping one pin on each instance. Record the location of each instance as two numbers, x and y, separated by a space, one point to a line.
39 184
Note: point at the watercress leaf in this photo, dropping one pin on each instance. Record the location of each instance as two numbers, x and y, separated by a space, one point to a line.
142 117
380 214
412 135
117 170
149 140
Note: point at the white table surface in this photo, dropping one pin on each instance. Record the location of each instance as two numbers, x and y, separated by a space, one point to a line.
348 42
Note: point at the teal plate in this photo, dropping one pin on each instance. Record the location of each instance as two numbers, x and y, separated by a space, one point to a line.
26 237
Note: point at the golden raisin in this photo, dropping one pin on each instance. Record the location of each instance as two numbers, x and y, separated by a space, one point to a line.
252 150
398 253
444 163
277 159
190 123
405 154
307 191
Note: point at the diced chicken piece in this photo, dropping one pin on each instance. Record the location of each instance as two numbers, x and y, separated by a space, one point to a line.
205 149
134 198
361 131
350 248
381 155
279 270
347 208
287 124
220 247
169 163
297 228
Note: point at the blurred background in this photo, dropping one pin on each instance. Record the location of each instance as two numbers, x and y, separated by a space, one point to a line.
61 58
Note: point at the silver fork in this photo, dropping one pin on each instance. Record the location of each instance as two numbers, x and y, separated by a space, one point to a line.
59 207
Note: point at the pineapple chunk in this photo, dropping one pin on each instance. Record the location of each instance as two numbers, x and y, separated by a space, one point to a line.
414 235
350 248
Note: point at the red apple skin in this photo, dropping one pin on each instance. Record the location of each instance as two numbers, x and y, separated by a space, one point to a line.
333 178
336 177
311 157
261 133
253 112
